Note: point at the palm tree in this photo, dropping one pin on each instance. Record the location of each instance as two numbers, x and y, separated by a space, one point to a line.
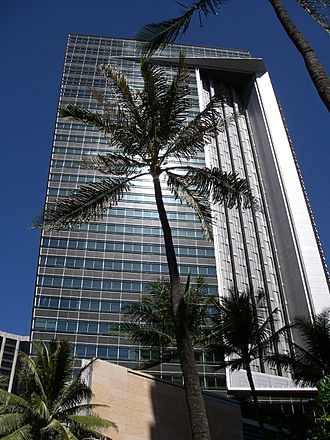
242 331
50 403
149 134
158 35
150 322
310 362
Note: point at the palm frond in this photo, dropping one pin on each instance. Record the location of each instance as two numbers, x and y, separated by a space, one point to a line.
235 364
11 422
151 322
88 202
56 429
221 187
158 35
191 138
111 163
238 330
60 369
50 399
93 422
147 335
318 10
29 377
311 362
126 96
12 400
155 85
78 114
175 103
184 191
22 433
72 396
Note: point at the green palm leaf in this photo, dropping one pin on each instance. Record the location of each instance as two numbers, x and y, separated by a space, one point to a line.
186 193
192 137
175 103
126 97
91 423
88 202
78 114
72 397
112 163
311 362
158 35
11 422
221 187
239 330
150 336
150 322
56 429
22 433
48 400
12 400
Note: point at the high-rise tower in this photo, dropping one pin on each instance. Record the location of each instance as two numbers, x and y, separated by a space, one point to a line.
87 274
10 346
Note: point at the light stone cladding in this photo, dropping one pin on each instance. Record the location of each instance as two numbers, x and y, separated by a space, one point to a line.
145 408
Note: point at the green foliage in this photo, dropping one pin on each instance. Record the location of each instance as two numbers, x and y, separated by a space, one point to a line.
158 35
150 322
309 363
241 328
3 382
50 404
321 431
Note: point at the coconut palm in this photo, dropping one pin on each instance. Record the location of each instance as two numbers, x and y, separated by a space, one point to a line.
310 361
242 331
158 35
150 322
50 404
148 134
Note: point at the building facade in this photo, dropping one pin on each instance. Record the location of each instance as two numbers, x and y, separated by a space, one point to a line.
10 346
86 275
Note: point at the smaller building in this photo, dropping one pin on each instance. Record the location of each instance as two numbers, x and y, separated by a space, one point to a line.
10 346
146 408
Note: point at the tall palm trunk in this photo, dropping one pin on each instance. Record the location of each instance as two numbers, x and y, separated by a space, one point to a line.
255 398
194 397
316 70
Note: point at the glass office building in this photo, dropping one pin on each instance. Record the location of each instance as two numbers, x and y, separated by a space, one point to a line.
87 275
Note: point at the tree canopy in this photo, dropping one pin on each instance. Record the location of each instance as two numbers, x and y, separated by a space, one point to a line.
50 403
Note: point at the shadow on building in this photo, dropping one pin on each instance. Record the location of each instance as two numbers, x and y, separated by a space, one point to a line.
146 408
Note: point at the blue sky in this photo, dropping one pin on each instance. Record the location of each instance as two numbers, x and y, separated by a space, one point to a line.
32 46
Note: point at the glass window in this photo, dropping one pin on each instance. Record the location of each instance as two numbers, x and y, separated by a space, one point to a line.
90 351
112 353
123 353
102 352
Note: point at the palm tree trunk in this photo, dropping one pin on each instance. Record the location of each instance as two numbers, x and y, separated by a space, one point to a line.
195 402
316 70
255 399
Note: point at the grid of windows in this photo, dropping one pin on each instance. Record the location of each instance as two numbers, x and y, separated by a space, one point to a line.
122 266
125 247
72 262
100 284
